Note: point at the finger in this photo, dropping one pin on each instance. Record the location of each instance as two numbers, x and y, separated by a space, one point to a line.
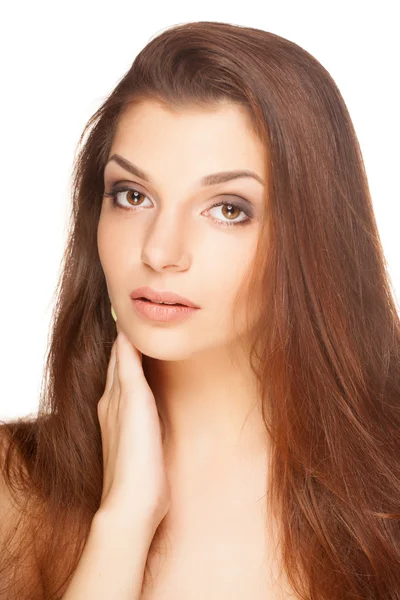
129 363
111 368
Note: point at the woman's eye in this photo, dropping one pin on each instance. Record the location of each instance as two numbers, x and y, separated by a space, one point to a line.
229 213
133 197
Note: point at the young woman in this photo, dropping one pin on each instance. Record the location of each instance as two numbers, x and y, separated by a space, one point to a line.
243 442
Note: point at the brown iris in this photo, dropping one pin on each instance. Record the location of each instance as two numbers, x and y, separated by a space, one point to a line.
135 194
230 208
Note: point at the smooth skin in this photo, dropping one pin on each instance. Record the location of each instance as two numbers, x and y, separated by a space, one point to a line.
135 494
173 240
135 482
194 373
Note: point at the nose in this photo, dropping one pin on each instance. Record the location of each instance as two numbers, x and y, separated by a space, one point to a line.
166 243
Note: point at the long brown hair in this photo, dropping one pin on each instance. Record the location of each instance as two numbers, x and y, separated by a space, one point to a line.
325 349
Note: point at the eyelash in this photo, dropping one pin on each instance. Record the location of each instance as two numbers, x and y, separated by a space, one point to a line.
118 189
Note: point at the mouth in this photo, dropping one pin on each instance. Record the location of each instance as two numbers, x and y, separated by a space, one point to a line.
161 297
162 303
162 312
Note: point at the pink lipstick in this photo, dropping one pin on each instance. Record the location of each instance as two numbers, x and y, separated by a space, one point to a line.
163 306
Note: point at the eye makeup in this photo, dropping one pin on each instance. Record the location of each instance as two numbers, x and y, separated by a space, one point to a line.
239 204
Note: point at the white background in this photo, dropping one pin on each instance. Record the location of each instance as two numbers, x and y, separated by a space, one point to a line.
59 61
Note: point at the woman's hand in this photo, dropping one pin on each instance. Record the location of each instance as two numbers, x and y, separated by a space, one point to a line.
135 485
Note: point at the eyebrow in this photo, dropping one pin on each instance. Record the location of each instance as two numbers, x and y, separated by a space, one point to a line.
212 179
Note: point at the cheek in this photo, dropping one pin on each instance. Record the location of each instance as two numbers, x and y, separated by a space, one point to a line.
227 265
111 250
119 242
104 246
225 278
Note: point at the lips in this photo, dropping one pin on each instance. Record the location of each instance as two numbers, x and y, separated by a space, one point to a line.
148 293
163 303
162 313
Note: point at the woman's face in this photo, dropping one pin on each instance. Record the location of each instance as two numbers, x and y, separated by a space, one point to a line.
168 236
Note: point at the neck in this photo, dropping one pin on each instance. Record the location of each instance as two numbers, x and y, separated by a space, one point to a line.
209 407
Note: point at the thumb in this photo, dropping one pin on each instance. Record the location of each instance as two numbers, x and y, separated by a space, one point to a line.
129 362
119 330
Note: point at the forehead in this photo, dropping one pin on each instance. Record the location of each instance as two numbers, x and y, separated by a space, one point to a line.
201 140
